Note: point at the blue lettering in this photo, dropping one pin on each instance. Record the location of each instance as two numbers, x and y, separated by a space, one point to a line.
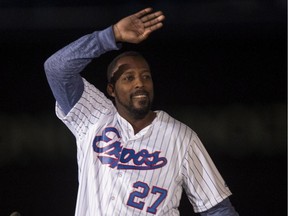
115 155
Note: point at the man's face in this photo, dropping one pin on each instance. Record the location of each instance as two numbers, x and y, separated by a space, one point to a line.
133 89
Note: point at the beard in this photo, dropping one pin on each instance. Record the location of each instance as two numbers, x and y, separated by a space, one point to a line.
139 112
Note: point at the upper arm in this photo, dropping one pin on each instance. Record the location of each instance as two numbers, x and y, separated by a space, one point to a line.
63 68
203 183
66 91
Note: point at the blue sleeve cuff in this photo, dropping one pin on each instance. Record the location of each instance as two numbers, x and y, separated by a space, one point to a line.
108 40
223 208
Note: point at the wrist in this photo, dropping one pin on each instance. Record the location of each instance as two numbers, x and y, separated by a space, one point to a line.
117 33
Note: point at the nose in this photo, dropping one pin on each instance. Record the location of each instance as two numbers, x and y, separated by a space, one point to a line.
139 82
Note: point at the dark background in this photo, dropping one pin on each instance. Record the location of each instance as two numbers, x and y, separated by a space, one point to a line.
218 66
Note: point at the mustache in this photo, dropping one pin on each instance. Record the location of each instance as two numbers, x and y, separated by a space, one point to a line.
140 92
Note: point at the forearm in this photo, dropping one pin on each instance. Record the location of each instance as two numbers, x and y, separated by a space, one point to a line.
223 208
63 68
73 58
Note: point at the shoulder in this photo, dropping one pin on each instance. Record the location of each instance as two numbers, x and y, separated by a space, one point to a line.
177 128
94 96
92 105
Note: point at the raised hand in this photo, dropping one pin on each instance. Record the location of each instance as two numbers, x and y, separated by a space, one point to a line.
137 27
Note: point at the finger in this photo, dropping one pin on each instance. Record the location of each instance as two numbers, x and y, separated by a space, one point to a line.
149 30
143 12
154 21
152 16
153 28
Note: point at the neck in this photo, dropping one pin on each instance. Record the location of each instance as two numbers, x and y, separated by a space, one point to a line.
139 124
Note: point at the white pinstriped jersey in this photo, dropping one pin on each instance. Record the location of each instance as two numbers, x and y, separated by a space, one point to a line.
121 173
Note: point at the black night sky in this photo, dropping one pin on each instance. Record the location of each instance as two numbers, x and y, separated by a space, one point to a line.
207 53
210 55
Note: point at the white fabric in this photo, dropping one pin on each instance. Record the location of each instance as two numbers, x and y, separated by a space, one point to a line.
140 174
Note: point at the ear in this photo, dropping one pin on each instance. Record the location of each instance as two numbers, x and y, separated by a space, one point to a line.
110 90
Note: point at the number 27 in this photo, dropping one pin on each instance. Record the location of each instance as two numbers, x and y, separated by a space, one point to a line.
143 194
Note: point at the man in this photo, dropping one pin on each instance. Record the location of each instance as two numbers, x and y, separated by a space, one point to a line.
131 160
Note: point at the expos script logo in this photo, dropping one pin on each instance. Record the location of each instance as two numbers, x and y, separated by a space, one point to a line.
111 152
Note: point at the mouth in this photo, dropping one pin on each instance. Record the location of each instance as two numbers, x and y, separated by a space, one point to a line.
140 95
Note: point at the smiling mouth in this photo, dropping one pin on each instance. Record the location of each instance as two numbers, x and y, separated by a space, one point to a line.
139 96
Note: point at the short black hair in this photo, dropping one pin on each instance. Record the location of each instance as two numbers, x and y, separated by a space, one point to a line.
113 63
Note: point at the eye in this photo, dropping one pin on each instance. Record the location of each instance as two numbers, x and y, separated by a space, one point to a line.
128 77
146 76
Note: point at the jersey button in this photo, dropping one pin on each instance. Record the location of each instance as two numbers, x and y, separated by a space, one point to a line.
112 197
119 174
